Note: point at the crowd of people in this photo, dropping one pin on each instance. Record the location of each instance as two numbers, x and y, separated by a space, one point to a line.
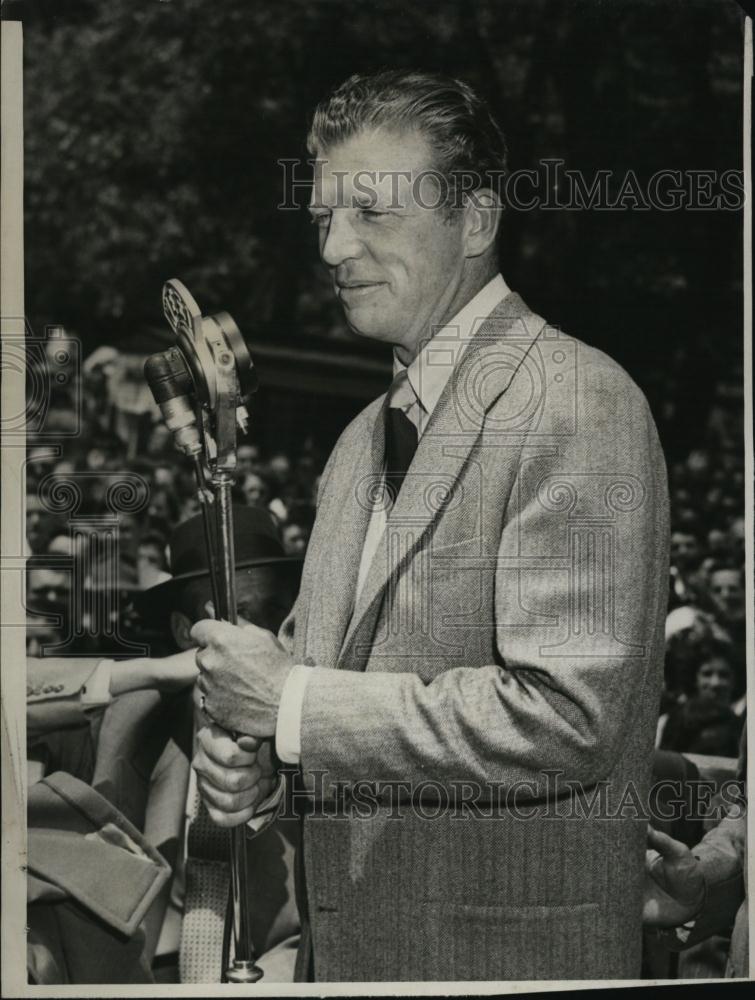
79 527
704 699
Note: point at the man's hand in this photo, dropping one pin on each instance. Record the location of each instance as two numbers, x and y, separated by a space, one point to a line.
233 777
674 882
242 673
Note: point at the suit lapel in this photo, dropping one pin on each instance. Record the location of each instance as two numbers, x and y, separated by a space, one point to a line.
496 351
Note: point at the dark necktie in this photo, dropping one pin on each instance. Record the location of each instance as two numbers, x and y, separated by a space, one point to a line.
400 433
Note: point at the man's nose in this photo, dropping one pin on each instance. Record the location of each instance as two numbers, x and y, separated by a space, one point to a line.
340 242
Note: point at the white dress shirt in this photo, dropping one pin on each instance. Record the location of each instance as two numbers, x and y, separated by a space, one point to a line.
428 375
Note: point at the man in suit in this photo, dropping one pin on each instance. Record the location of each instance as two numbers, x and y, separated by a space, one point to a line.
483 597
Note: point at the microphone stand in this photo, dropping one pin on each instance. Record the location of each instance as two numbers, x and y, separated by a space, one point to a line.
202 383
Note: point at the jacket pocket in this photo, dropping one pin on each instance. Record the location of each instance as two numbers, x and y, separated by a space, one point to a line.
521 943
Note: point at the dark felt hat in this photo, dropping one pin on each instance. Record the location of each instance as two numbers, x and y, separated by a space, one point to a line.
256 542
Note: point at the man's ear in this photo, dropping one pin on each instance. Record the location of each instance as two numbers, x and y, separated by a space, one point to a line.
180 627
482 215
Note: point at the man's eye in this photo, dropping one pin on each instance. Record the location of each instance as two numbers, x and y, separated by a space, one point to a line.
320 220
372 213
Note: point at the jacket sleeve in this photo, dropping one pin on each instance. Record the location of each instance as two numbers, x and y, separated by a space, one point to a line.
57 690
537 706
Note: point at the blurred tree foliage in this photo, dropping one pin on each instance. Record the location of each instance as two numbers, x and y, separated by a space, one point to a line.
153 132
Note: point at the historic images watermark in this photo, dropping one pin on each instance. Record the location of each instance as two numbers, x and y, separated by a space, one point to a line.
551 186
549 794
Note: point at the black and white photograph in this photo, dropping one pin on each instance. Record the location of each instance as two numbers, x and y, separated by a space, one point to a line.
377 491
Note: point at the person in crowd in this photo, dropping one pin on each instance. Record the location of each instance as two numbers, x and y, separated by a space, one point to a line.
297 529
92 880
95 731
715 680
247 457
427 646
63 545
728 593
700 718
692 894
255 490
727 596
279 467
685 554
162 510
41 525
72 702
151 561
702 725
685 551
63 692
48 585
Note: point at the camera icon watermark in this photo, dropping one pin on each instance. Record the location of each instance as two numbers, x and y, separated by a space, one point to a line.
511 385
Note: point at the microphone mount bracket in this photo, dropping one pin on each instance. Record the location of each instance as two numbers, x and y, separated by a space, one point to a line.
221 369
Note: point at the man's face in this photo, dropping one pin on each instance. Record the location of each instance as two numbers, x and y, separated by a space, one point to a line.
48 587
247 457
264 596
685 551
716 681
396 265
254 490
295 539
728 592
149 553
717 541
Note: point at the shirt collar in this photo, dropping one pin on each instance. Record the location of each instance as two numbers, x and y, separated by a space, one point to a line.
429 372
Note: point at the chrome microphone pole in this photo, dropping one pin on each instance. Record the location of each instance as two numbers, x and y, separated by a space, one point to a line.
243 968
221 374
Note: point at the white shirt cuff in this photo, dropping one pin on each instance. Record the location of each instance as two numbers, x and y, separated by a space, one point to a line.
96 691
288 727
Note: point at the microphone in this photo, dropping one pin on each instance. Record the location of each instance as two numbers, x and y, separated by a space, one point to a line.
171 385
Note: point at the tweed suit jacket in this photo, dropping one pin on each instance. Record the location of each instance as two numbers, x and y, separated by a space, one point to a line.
510 627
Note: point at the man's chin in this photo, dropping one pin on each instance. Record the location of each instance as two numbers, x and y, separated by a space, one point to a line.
368 326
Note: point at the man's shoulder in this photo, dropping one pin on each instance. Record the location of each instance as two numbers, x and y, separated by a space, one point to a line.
568 360
600 372
559 384
559 357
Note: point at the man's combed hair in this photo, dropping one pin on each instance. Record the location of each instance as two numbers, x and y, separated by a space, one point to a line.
464 136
